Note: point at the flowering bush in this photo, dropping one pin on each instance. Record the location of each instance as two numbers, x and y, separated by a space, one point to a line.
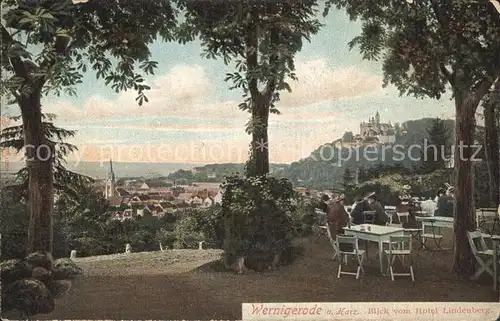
257 220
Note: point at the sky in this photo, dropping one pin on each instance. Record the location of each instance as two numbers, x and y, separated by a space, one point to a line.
192 116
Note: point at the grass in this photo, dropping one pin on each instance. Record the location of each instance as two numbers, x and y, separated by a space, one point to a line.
189 284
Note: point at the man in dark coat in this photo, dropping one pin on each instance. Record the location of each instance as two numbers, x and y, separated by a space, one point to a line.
337 216
446 203
323 205
381 217
359 207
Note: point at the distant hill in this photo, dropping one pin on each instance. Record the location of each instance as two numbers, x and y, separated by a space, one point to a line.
98 169
324 168
216 172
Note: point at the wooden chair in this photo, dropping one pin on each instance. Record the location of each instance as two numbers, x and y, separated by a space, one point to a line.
399 247
483 255
348 247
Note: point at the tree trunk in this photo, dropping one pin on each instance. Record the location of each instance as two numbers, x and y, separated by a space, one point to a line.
39 158
260 139
492 153
464 209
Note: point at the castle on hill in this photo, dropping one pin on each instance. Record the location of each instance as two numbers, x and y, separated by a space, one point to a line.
376 131
373 132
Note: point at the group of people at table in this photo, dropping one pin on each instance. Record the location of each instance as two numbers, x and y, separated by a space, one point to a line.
338 218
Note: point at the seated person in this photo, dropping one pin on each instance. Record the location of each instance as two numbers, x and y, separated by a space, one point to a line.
360 205
445 204
405 195
439 193
323 205
337 216
380 217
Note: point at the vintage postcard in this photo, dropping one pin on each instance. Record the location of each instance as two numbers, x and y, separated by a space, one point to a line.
250 159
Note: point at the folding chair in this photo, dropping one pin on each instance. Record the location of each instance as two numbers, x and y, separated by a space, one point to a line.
426 234
320 223
390 215
403 217
348 246
399 247
333 242
480 251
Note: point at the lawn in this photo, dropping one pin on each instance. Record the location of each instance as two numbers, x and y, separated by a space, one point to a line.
186 284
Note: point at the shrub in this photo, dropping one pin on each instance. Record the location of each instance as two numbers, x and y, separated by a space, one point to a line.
427 185
166 238
199 225
256 224
30 286
303 216
386 194
14 221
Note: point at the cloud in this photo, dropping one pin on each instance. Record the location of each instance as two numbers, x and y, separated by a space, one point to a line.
319 82
185 89
198 128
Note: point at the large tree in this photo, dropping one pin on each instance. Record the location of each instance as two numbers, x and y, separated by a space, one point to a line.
428 46
260 38
47 46
491 106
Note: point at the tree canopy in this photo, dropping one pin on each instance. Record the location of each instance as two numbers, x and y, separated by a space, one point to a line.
260 39
53 42
429 44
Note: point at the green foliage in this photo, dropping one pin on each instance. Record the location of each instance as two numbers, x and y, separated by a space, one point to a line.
199 225
436 148
260 40
427 185
429 44
387 190
73 39
256 218
80 223
14 221
65 181
226 30
303 216
348 179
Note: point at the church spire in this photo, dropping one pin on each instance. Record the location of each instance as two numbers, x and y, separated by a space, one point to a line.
110 181
112 173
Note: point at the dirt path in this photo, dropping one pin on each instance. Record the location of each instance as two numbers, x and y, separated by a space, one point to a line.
167 285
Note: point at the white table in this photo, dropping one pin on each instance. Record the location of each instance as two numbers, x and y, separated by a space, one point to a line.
377 233
485 216
436 221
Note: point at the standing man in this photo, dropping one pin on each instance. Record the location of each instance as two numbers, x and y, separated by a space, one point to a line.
337 216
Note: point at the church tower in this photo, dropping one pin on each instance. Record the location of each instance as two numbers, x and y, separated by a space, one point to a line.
377 118
110 188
